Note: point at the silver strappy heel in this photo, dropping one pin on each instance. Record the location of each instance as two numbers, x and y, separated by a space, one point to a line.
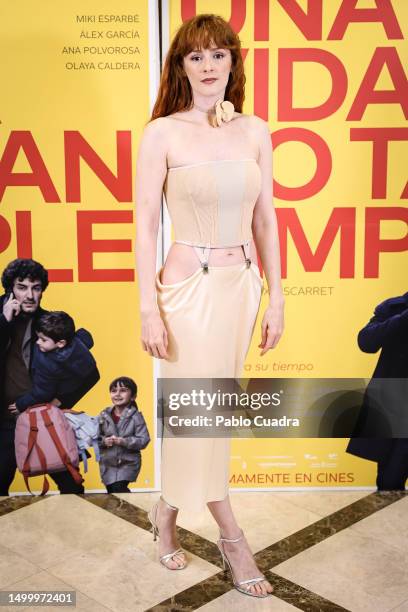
244 585
164 559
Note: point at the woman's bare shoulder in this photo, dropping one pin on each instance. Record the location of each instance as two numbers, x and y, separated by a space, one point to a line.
253 121
163 127
157 127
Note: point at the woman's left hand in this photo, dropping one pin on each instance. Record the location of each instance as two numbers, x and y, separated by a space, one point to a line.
272 326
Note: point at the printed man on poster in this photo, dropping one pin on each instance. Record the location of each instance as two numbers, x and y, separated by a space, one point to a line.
25 281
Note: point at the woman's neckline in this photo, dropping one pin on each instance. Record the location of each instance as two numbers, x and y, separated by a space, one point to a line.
212 161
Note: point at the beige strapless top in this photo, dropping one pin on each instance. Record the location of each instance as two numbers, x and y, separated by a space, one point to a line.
211 203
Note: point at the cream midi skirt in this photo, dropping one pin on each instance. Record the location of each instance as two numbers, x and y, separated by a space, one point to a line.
210 320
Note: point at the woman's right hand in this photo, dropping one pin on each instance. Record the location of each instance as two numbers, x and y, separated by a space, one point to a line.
154 335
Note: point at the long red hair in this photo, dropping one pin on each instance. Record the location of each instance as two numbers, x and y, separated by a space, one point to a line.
199 32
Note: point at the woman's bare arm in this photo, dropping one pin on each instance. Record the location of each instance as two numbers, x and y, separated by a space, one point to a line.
151 168
265 232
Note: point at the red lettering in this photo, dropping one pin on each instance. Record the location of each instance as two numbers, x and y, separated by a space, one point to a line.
380 138
367 95
348 13
76 147
62 275
25 247
309 23
286 60
24 234
237 18
261 83
39 177
341 219
5 234
374 245
323 163
261 20
87 246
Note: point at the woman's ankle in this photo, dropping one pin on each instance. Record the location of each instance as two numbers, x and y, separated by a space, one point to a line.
233 534
165 517
169 506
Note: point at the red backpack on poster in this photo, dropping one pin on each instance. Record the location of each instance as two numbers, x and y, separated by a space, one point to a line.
45 443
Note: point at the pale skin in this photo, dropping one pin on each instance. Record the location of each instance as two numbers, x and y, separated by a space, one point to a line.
181 139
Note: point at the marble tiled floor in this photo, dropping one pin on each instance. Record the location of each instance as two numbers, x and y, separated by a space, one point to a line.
321 550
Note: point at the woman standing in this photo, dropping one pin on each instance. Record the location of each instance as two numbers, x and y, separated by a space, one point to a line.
198 312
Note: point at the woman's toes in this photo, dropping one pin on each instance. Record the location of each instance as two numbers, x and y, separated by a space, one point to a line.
254 589
180 560
262 588
175 562
266 587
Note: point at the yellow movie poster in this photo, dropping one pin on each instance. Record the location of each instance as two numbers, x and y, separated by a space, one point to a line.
76 96
330 79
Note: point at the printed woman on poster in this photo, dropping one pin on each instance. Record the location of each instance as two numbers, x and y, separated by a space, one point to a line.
198 312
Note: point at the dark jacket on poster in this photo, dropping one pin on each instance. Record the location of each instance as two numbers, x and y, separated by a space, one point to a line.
387 330
61 371
122 462
68 399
